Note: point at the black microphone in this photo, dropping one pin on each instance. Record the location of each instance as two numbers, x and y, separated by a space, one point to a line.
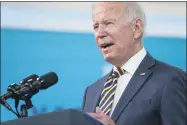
41 83
15 87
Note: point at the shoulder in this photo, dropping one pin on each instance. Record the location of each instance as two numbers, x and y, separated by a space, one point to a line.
164 74
169 76
99 82
169 70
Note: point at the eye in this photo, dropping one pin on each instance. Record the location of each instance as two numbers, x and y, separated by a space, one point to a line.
108 23
96 27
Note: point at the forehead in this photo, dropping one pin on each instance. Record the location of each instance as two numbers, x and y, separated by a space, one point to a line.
104 10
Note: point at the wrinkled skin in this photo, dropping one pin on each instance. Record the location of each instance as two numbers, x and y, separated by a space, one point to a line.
110 27
123 39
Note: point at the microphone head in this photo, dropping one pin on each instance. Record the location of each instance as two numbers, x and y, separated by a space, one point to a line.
48 80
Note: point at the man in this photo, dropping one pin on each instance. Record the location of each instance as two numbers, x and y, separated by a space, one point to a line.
140 90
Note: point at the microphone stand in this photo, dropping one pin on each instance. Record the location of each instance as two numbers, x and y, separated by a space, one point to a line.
24 107
28 104
3 102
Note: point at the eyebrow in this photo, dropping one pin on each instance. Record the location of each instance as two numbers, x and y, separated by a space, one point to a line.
110 20
105 21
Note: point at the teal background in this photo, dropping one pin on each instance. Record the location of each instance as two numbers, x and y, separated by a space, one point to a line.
73 56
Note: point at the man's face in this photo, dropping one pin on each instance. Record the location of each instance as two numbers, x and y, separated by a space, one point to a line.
113 36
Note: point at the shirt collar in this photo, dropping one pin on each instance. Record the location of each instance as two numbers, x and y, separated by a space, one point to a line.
132 64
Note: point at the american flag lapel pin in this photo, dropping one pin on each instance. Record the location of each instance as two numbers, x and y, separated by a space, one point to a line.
142 74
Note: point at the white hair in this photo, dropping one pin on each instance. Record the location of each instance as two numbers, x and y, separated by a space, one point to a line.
133 11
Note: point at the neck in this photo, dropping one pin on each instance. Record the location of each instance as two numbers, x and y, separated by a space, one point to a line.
130 54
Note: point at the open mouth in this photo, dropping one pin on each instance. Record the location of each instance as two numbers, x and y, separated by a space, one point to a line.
106 45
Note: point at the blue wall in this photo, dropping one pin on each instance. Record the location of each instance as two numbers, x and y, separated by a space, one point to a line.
73 56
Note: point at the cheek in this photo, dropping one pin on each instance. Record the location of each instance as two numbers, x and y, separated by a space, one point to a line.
113 30
125 37
96 39
123 42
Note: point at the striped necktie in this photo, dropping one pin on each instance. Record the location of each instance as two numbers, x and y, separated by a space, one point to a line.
107 95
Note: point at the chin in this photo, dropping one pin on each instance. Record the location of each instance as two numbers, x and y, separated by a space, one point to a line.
112 59
109 58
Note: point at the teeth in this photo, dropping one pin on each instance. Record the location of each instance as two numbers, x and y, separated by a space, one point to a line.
106 45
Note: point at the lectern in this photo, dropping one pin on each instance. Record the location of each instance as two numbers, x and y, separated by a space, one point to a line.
65 117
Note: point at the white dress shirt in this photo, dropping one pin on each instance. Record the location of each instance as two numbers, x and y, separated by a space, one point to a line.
130 67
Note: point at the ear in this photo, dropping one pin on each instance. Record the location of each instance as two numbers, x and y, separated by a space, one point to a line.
138 29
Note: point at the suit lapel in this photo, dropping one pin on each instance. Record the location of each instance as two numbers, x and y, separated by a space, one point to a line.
100 87
136 82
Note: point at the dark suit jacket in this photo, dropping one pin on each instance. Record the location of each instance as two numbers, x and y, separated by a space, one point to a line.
156 98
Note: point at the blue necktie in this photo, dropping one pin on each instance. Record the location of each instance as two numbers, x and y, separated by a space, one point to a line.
107 95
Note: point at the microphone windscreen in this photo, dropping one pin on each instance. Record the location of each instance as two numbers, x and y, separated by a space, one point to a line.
48 80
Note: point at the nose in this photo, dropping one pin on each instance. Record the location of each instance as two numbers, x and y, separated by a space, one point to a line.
100 33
